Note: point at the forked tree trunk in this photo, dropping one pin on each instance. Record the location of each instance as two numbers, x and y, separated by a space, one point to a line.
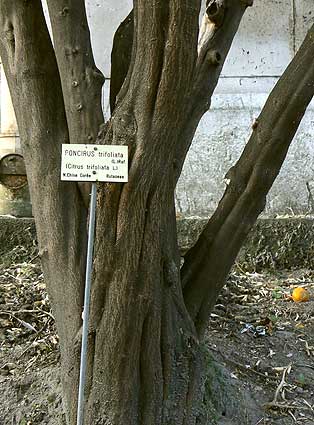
147 315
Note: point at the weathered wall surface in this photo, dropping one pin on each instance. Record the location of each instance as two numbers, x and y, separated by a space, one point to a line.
268 38
284 243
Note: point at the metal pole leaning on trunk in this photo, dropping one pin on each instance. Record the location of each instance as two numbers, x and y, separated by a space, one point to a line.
109 164
88 279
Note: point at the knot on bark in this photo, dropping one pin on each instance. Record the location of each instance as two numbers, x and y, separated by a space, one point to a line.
105 130
215 11
71 51
65 11
10 37
43 252
214 57
94 75
124 128
255 124
171 272
235 180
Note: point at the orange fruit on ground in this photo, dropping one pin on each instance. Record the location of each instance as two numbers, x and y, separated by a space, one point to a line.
300 294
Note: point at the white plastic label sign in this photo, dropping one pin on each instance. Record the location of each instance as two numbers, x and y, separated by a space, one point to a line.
105 163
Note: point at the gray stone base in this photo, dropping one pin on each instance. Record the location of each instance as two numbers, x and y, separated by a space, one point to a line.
276 243
17 239
15 202
283 243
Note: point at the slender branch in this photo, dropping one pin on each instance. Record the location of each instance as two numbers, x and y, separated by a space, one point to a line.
209 261
219 26
81 80
31 69
212 20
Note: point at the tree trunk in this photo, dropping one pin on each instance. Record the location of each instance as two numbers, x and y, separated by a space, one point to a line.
147 316
145 345
146 358
80 79
60 216
143 361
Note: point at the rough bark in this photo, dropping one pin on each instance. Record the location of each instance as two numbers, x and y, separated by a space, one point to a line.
137 301
121 57
144 363
81 80
29 62
143 374
137 304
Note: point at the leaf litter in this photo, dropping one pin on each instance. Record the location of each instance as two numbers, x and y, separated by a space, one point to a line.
28 345
268 341
265 341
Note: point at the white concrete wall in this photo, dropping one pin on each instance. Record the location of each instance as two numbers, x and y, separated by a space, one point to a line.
267 40
9 141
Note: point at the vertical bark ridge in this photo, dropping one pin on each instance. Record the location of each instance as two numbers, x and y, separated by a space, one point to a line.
121 57
131 307
131 313
151 391
135 379
151 26
166 34
127 31
179 59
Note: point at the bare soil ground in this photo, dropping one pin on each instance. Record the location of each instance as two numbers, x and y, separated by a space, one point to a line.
266 343
259 369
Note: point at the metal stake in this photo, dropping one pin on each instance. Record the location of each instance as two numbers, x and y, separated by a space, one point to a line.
88 278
